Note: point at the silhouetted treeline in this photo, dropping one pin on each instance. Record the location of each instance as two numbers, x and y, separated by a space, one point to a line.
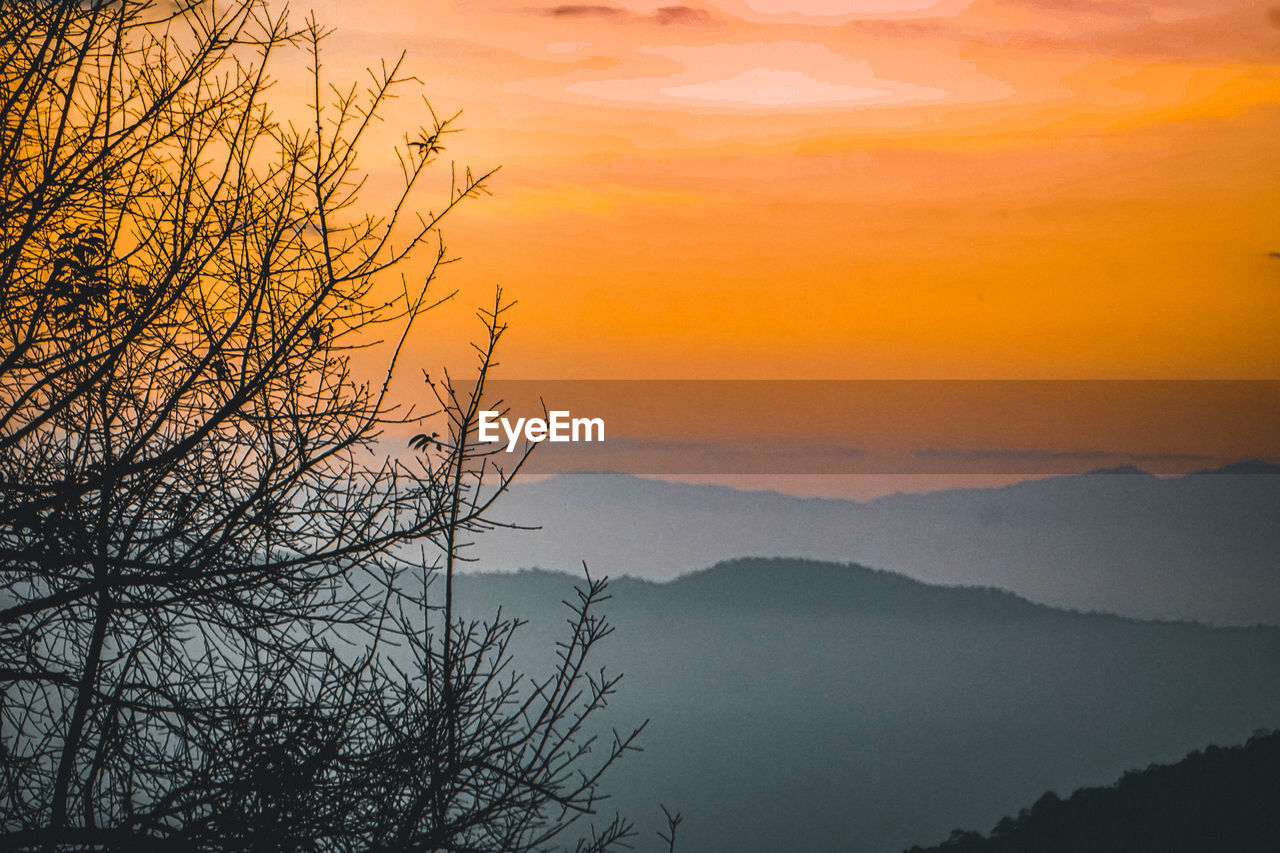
1220 799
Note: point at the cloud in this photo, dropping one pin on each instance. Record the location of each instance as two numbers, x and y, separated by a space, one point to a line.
1107 8
584 11
1041 455
682 15
643 456
717 450
841 8
773 75
665 15
1203 29
773 87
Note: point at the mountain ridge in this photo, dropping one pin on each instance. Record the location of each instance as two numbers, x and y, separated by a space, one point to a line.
765 568
1197 547
781 707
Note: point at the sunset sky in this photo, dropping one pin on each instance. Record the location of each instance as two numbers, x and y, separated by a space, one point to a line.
866 189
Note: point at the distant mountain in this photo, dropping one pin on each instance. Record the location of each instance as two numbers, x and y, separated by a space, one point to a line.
1122 469
1195 547
798 705
1248 466
1215 800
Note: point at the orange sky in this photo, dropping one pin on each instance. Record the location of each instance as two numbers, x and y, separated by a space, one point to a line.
869 189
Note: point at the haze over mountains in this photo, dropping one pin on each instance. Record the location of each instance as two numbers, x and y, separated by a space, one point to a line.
798 705
1202 547
824 706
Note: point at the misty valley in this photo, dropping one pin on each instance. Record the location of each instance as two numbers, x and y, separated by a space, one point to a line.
797 705
866 710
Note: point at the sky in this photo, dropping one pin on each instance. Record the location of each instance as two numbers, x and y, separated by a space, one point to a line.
869 189
861 189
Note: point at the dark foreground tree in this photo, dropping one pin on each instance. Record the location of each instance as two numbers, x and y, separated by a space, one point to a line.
1213 799
218 622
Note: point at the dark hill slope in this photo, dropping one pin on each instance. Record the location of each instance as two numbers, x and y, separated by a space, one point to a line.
1210 801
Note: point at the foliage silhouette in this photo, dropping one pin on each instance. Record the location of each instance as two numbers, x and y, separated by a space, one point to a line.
218 622
1215 799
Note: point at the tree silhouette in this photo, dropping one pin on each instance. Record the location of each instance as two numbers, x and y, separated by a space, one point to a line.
219 626
1213 799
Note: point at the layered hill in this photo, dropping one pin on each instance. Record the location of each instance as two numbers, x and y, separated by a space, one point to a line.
799 705
1204 547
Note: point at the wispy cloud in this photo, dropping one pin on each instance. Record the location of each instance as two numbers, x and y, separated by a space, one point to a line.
663 16
583 11
771 75
1050 455
639 456
682 15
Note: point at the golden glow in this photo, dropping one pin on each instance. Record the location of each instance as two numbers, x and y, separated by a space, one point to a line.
787 189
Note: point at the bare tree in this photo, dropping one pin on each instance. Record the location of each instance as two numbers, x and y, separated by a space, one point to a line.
216 630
